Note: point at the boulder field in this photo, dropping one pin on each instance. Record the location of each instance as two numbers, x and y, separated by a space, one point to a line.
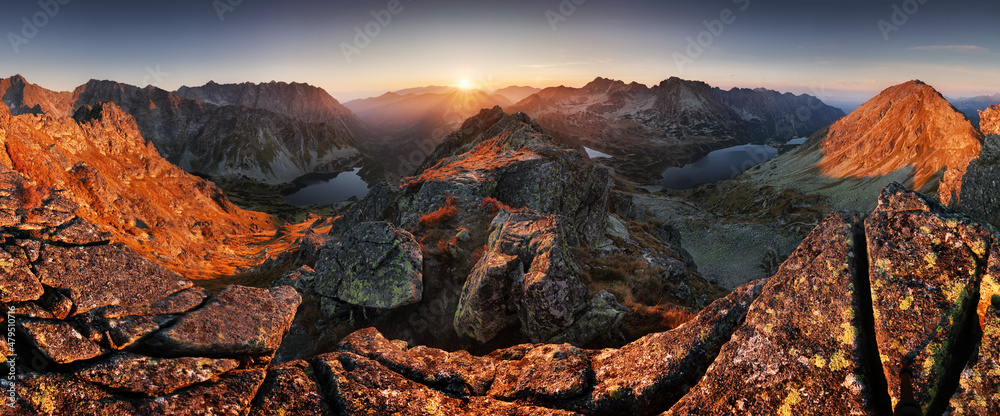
97 329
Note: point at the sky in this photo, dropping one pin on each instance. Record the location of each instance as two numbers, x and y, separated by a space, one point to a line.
845 50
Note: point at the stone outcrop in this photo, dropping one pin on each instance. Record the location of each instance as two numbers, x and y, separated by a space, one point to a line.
803 346
989 120
897 287
528 275
924 288
376 266
226 326
98 298
980 195
502 214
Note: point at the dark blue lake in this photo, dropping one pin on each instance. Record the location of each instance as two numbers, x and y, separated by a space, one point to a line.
329 190
717 166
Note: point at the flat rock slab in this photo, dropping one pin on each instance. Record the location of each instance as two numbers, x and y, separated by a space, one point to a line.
649 374
289 389
154 376
456 372
799 351
544 375
238 321
177 303
229 396
925 268
59 341
106 275
17 282
62 394
358 385
376 266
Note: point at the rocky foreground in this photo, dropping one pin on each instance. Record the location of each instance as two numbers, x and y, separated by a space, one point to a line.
97 329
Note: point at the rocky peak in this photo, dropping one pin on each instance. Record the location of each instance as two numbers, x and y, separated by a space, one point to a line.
119 183
990 120
302 101
907 125
604 85
22 97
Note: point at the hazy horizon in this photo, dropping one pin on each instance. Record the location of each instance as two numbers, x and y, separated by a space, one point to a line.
838 51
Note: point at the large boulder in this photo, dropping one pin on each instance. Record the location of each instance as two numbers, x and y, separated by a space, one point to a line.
376 266
528 271
802 349
926 264
648 375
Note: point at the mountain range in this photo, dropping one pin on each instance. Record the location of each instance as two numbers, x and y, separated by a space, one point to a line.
670 124
971 106
509 274
236 135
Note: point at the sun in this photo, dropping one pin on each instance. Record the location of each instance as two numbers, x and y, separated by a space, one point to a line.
465 84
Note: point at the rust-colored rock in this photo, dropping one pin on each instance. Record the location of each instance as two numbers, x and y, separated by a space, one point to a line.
58 341
544 375
925 268
989 120
17 282
59 394
154 376
238 321
106 275
229 396
289 389
648 375
909 124
801 350
358 385
456 372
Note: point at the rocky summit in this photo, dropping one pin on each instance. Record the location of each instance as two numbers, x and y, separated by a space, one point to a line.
505 276
907 125
868 307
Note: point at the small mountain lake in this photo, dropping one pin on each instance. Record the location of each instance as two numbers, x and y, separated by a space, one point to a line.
328 188
717 166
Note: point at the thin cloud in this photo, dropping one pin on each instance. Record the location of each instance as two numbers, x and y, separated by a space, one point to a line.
952 48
